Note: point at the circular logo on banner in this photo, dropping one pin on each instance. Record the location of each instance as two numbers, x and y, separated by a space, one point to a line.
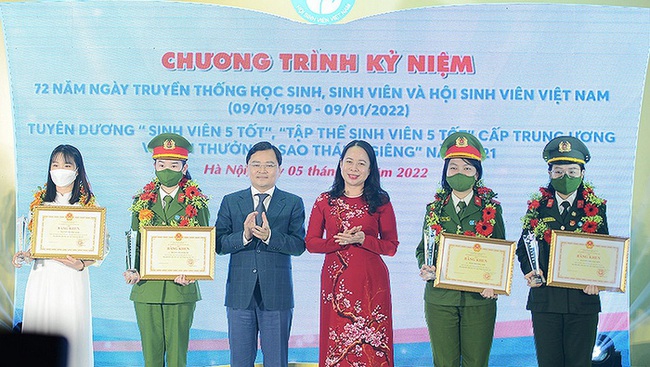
322 11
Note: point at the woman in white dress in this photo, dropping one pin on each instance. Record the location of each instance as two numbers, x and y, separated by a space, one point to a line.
57 296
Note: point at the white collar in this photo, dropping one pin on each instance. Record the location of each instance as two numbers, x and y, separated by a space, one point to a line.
172 194
255 191
570 199
467 199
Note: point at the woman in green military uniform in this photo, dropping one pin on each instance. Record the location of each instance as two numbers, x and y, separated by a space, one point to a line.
461 324
165 309
564 320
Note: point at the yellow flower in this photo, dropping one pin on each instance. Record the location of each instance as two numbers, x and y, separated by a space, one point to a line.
145 215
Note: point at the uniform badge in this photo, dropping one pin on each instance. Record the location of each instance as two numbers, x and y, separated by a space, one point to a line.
461 142
169 144
572 223
548 219
580 204
564 147
445 219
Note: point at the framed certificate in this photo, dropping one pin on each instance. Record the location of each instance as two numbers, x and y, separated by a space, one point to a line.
472 264
580 259
166 252
77 231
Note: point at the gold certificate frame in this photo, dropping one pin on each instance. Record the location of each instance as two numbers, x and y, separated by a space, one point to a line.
77 231
580 259
167 252
471 264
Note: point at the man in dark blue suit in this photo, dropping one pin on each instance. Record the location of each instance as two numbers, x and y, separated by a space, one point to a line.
260 227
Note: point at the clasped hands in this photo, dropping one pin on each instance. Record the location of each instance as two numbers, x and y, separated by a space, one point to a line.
428 272
350 236
591 289
132 276
253 230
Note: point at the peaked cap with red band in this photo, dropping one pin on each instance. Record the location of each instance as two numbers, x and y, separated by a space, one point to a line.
170 146
462 145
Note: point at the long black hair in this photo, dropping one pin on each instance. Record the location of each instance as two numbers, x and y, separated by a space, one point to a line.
373 194
70 155
474 162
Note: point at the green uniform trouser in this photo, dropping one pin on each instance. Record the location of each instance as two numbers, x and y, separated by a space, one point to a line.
165 329
457 331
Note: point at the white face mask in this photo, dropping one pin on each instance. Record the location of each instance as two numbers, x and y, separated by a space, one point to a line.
63 177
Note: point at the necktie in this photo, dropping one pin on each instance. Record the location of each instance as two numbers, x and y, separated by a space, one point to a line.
461 208
167 199
260 208
565 211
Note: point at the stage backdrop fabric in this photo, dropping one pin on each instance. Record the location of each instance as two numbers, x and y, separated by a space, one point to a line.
108 76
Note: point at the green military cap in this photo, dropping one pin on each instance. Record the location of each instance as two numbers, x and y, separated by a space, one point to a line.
462 145
170 146
566 149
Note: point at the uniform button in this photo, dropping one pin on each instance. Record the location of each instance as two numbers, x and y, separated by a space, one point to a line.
254 270
258 251
562 228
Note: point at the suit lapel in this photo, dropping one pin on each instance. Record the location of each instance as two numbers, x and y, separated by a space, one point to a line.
552 211
245 202
175 208
555 211
451 210
276 206
157 208
471 209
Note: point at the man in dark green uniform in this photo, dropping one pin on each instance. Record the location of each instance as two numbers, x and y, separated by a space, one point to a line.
165 309
564 320
461 324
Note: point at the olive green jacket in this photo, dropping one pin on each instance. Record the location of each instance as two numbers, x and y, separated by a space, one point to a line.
165 291
451 223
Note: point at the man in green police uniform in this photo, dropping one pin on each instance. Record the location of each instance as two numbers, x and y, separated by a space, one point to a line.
461 324
165 309
564 320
